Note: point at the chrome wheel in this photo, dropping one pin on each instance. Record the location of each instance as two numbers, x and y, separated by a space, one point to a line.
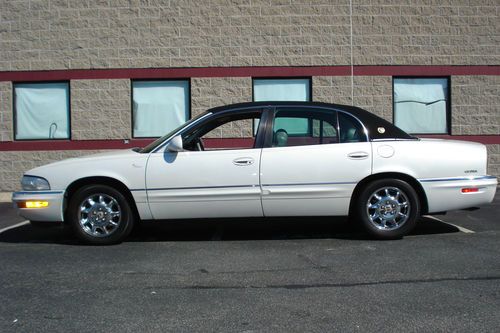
100 215
388 208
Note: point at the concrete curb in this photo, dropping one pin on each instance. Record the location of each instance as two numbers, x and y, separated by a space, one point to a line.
5 196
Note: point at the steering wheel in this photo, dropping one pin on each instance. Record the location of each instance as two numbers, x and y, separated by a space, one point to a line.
199 144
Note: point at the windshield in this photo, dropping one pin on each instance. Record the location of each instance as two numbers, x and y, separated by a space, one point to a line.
149 148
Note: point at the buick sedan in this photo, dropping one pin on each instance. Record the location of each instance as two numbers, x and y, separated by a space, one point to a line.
263 159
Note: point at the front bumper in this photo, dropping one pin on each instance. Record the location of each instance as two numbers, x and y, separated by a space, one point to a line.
52 213
445 194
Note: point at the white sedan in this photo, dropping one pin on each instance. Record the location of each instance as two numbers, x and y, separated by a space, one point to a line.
263 159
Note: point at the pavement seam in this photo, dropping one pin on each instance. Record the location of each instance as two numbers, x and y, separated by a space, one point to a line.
14 226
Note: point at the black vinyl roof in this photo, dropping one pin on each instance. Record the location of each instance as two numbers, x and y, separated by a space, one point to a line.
378 128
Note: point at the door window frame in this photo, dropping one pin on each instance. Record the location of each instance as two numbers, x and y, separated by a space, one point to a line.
268 142
261 131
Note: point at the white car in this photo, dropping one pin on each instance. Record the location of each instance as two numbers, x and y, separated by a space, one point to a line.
263 159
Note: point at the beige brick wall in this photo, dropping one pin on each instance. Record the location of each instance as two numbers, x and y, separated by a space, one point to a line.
494 160
100 109
6 121
61 34
374 93
426 32
207 93
332 89
475 104
14 164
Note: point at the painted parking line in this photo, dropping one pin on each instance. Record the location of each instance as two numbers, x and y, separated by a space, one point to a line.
462 229
20 224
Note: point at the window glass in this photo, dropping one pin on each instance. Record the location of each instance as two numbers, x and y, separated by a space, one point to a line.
284 90
350 129
281 90
224 132
320 128
42 110
159 107
420 105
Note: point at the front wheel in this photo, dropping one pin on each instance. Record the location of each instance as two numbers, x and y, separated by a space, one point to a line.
99 214
388 208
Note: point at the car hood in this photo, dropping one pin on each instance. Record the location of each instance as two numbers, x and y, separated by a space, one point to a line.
98 157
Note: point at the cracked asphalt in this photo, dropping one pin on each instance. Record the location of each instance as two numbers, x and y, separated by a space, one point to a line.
254 275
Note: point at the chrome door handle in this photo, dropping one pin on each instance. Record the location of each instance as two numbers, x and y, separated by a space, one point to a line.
242 161
358 155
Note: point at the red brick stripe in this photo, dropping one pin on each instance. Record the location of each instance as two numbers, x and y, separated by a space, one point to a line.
214 143
275 71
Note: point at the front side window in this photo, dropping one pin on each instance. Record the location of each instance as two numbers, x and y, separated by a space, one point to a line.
41 110
231 131
316 127
421 104
159 106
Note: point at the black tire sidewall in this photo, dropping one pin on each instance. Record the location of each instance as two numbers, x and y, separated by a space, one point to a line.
118 235
362 216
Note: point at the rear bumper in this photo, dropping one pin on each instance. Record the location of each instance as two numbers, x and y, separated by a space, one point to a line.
52 213
445 194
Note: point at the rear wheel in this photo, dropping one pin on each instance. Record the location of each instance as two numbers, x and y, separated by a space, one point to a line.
99 214
388 208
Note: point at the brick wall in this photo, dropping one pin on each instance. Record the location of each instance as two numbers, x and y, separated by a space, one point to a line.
426 32
6 115
60 34
494 160
207 93
14 163
475 105
100 109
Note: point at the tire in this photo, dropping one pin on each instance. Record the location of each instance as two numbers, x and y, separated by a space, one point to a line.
99 214
383 213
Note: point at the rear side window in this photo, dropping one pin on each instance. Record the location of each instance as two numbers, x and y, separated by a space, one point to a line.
295 127
350 129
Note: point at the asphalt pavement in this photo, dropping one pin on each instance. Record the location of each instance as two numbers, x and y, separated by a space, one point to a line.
255 275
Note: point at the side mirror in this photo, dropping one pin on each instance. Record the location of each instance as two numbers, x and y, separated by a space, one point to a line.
175 144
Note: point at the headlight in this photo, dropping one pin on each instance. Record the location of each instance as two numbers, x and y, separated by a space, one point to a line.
31 183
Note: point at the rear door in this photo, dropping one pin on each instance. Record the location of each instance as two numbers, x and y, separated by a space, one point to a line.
312 160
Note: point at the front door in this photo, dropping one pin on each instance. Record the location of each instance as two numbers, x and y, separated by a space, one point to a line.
217 174
313 162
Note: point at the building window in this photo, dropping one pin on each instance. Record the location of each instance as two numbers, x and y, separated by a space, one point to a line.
41 111
159 106
421 105
281 90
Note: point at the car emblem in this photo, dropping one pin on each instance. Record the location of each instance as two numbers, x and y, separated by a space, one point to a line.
381 130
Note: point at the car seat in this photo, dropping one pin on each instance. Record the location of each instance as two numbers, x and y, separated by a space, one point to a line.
280 138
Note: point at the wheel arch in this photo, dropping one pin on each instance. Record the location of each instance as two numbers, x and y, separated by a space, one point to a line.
422 197
100 180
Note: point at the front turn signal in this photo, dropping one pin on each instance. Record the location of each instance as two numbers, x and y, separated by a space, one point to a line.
33 204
